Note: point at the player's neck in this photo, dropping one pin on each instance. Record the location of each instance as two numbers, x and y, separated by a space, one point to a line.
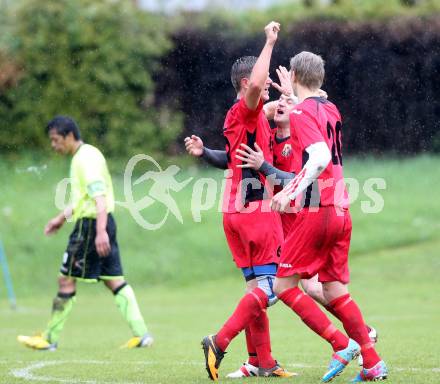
75 146
304 93
283 131
241 94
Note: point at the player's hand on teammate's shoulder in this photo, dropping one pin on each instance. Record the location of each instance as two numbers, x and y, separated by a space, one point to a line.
322 93
194 145
271 31
251 158
280 202
102 243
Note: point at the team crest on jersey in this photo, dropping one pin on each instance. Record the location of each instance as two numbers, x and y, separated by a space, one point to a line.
287 150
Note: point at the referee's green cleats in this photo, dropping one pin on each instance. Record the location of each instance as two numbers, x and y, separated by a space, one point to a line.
37 342
139 342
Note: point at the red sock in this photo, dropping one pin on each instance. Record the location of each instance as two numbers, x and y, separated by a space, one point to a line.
247 310
330 309
253 359
261 339
313 317
335 314
350 315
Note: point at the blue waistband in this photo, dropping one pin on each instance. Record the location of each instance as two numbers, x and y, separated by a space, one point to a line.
250 273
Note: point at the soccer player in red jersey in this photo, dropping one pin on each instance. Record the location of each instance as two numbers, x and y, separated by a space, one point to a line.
283 160
320 237
218 158
253 233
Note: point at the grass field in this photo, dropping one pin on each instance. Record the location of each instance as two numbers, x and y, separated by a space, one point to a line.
395 268
180 254
397 288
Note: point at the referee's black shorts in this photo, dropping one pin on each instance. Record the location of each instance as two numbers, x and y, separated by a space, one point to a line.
81 260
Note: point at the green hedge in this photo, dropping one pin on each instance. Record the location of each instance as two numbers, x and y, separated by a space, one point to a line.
382 75
291 12
91 60
133 80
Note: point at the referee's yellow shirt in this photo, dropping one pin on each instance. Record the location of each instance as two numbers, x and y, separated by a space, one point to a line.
89 178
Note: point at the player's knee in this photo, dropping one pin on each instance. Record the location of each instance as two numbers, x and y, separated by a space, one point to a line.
315 292
333 290
115 285
283 284
251 285
66 284
278 288
265 283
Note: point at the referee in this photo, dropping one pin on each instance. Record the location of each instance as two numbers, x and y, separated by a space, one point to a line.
92 252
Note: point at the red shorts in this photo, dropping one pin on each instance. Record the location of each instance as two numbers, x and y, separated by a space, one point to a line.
287 220
254 238
318 242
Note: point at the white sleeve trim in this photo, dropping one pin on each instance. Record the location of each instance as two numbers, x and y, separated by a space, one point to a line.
319 158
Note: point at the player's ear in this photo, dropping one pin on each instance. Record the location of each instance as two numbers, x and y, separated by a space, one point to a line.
292 76
244 83
70 137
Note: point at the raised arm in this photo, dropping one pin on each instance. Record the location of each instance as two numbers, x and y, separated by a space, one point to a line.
260 71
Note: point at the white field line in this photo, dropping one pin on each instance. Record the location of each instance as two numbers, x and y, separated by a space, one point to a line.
27 373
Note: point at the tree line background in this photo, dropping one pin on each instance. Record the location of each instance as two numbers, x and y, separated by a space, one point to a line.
137 81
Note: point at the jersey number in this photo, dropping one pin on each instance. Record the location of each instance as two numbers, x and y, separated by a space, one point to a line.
335 135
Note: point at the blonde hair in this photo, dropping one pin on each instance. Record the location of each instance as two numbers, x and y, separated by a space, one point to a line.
309 69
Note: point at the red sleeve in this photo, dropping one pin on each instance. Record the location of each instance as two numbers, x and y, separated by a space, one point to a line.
306 128
248 116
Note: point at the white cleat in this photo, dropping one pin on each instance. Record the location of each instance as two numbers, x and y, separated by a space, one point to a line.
147 340
373 337
246 370
139 342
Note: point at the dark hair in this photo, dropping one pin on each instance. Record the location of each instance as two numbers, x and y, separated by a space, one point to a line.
242 68
64 125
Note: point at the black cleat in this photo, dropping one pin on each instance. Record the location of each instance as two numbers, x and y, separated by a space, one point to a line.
213 356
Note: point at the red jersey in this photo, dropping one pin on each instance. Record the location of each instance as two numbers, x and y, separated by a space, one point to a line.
243 125
318 120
